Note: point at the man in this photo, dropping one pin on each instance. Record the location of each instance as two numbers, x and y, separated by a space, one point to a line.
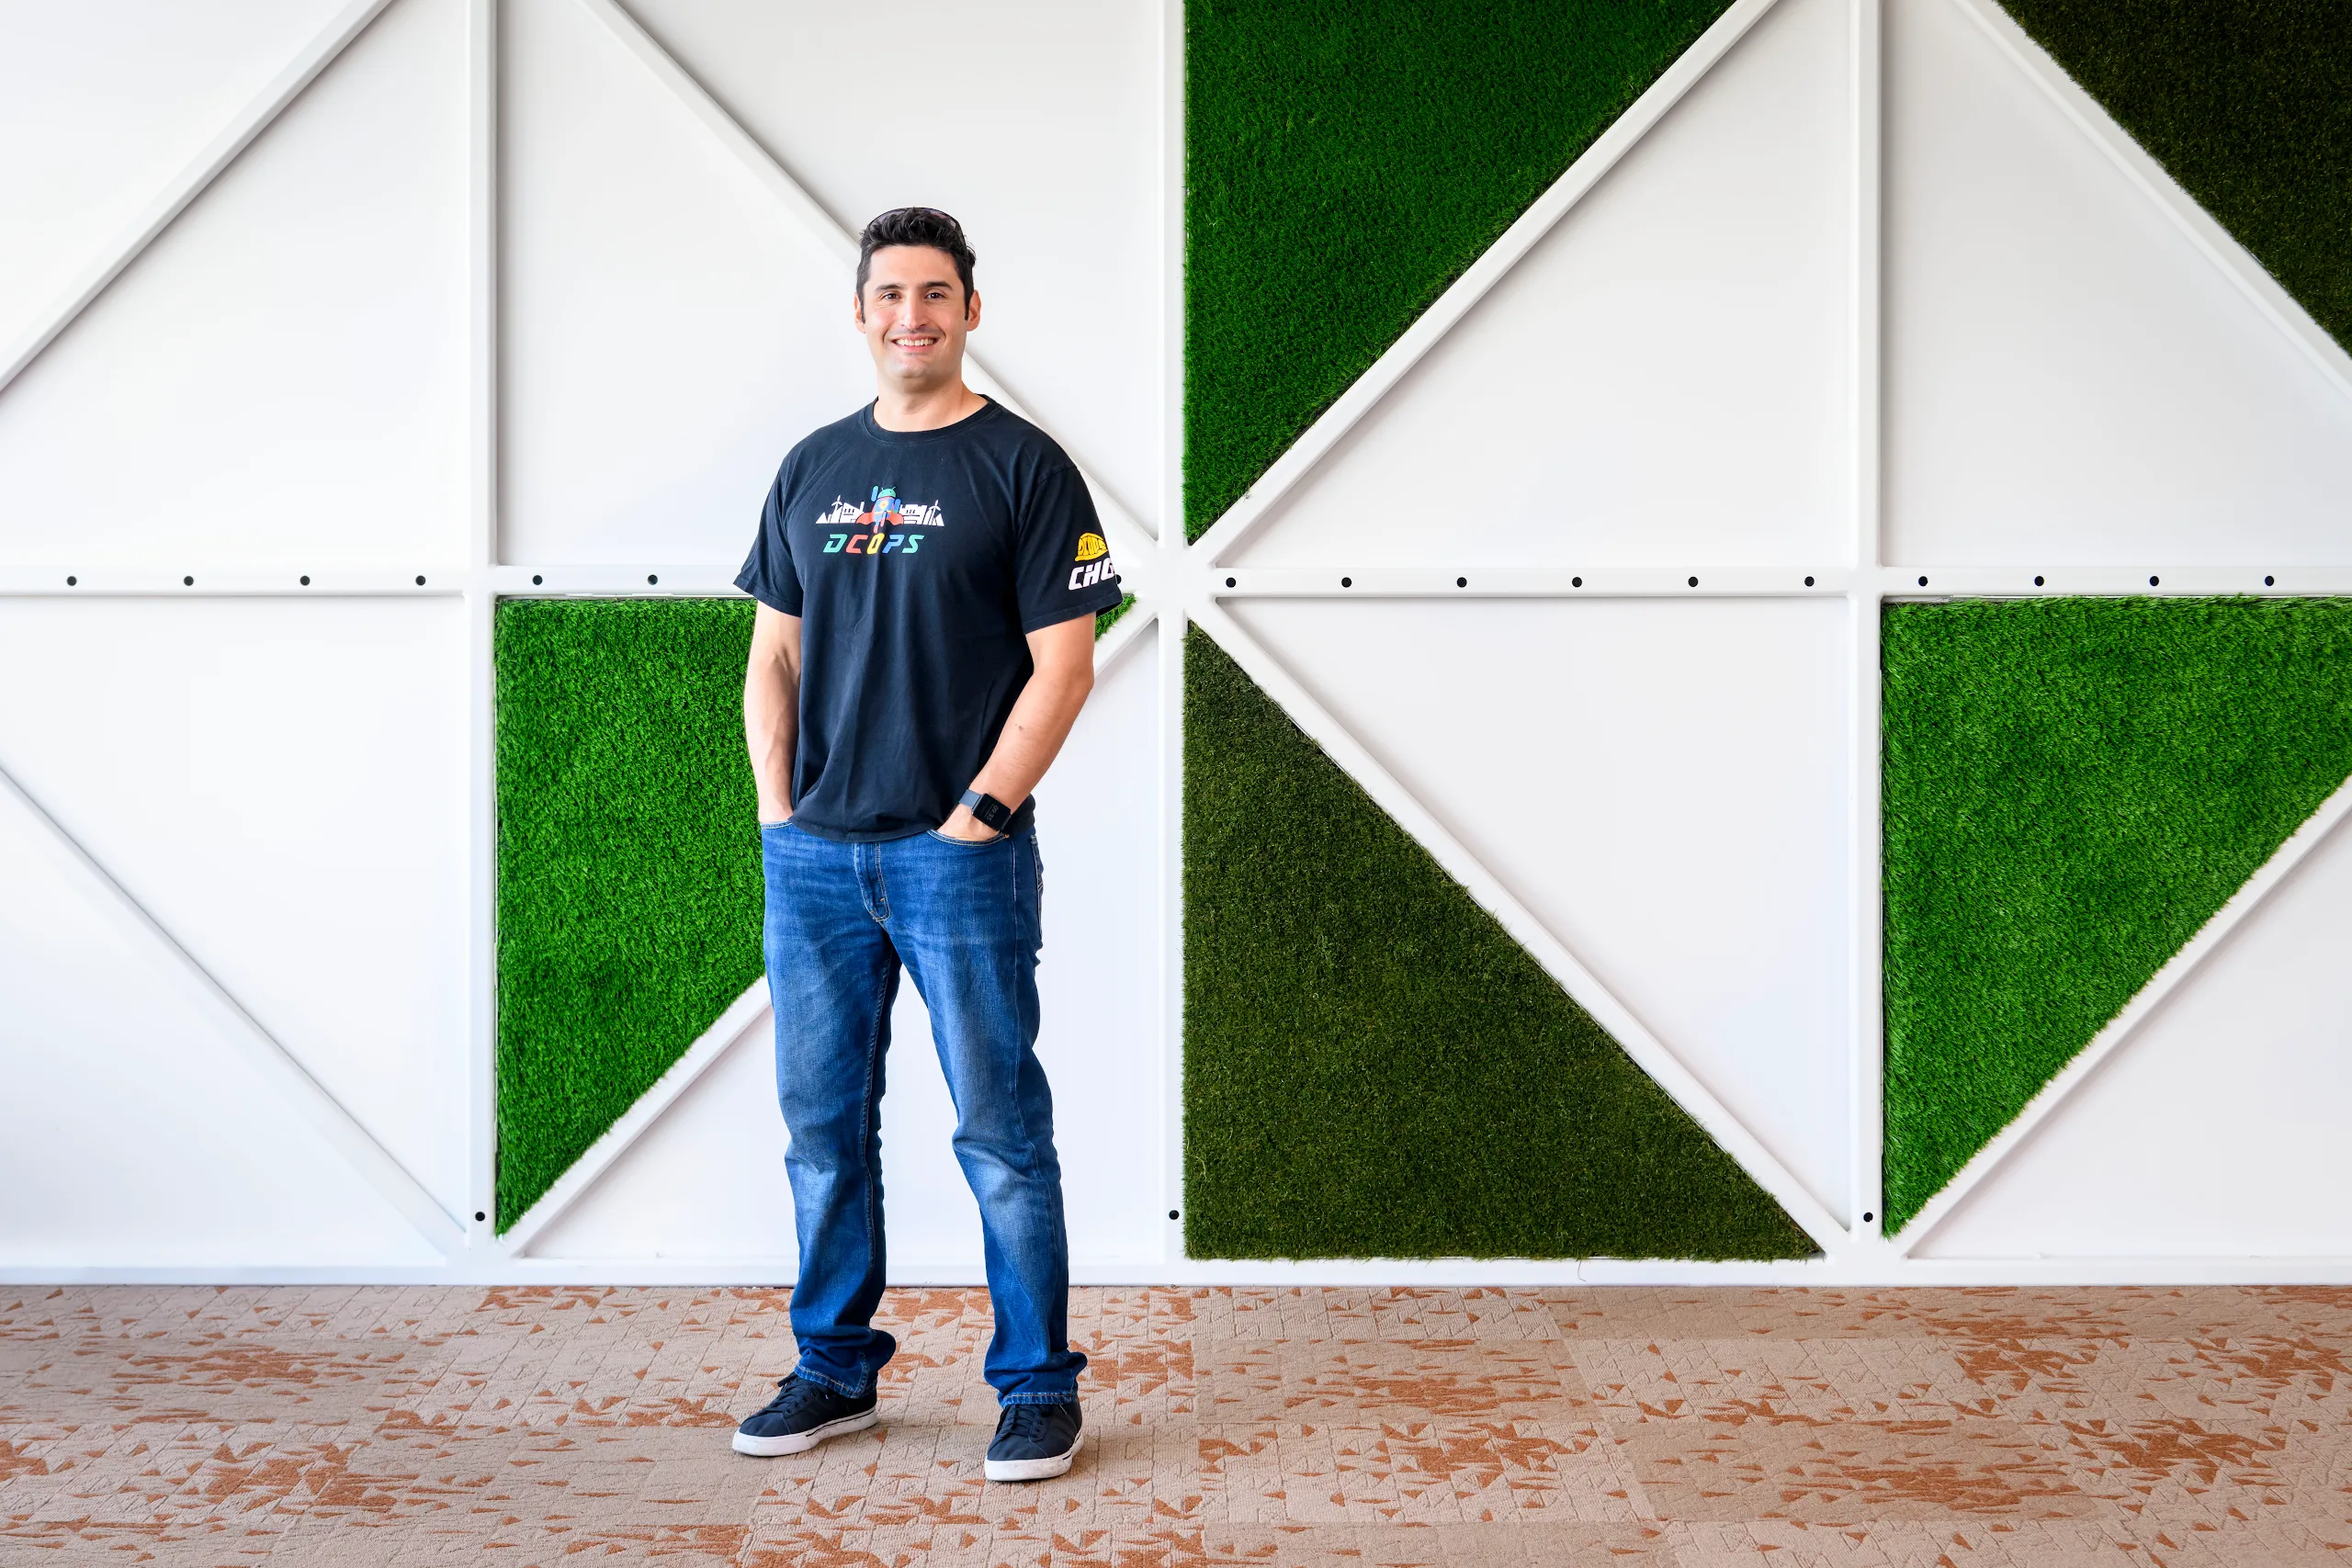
927 572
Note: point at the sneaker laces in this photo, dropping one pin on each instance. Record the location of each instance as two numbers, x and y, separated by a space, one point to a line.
1027 1422
792 1393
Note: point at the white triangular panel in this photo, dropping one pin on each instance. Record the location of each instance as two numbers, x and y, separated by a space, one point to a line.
282 784
1058 175
2217 1131
280 379
1663 379
101 107
670 330
1662 784
2069 379
135 1132
706 1181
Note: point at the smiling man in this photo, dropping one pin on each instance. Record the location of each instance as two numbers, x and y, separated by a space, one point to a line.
927 572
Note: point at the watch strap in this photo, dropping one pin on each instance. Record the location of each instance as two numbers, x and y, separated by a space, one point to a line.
986 810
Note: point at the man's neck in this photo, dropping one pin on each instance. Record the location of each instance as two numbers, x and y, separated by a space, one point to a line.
930 408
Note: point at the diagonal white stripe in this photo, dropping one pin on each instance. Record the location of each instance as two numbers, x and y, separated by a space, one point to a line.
1202 584
740 1022
1403 807
307 1095
732 1027
1228 532
1130 541
2215 242
2177 971
192 181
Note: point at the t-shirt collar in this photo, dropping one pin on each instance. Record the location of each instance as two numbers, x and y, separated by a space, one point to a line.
917 437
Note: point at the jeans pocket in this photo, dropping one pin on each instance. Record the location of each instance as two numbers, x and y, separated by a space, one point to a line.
965 843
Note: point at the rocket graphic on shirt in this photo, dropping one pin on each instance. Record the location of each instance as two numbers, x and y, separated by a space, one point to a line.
882 527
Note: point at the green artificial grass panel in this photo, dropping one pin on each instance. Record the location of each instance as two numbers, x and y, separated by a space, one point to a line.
2247 104
1105 620
628 862
1345 161
2071 788
1373 1067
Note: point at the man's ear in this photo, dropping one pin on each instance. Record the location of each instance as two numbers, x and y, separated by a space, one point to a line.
857 308
971 312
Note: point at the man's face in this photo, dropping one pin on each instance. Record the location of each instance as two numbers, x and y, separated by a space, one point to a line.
914 316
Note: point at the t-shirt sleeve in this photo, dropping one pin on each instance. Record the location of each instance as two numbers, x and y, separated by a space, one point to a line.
768 573
1063 567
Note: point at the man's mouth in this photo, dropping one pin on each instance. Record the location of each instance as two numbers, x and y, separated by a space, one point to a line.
925 342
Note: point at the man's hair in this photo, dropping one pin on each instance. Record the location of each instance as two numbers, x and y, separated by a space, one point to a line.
916 226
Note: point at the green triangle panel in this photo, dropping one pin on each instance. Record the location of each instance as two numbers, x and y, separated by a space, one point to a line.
1373 1069
2072 788
628 861
1345 161
2247 104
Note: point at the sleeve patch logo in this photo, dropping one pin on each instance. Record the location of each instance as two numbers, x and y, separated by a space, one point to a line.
1091 547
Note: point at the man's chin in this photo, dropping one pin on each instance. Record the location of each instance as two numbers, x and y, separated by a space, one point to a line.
924 377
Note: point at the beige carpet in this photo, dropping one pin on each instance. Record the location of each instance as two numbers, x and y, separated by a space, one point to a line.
1362 1429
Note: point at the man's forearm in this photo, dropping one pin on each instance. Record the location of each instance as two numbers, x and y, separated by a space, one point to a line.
771 724
1040 721
1061 674
771 728
772 709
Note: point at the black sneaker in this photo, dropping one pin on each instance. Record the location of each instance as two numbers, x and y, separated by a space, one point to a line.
1034 1442
801 1415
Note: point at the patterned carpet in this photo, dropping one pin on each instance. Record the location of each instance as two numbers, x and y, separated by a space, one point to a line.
1365 1429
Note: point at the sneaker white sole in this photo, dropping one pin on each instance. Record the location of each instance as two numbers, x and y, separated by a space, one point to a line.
1033 1468
801 1442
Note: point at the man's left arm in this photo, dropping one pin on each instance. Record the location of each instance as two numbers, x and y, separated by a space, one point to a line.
1062 657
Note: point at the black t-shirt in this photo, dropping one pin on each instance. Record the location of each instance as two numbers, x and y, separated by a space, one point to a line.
918 562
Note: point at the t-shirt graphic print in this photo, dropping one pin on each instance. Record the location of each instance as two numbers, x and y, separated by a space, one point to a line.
918 562
867 532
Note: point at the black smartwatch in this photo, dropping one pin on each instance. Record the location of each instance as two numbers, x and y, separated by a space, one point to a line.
988 810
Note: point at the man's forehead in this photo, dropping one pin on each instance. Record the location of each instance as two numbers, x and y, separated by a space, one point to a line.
910 264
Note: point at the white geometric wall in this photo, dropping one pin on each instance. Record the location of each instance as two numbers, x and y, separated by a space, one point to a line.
301 305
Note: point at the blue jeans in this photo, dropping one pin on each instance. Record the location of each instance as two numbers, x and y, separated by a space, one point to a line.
963 918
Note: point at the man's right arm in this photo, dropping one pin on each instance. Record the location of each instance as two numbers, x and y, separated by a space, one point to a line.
772 709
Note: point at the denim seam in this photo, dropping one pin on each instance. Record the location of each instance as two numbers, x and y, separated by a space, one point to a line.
805 1375
871 855
1035 934
1068 1398
873 1240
